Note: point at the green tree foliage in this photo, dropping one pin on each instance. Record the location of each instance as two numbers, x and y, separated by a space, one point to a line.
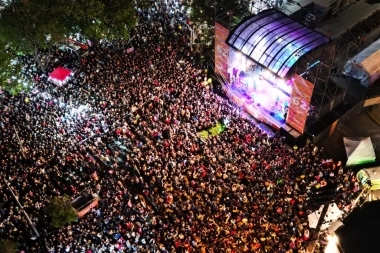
226 12
61 211
11 79
109 19
30 25
201 11
34 26
8 246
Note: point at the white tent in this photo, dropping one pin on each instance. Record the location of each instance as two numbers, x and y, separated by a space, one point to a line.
333 214
359 150
366 65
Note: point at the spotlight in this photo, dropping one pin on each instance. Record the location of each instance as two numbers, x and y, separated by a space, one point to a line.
332 238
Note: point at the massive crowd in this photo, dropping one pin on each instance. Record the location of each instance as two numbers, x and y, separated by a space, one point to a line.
131 118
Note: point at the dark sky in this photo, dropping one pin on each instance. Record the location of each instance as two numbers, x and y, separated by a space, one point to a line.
361 230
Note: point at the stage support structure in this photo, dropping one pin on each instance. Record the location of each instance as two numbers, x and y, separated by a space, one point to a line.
322 67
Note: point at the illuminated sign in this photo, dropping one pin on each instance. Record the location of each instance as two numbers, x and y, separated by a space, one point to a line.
221 51
299 103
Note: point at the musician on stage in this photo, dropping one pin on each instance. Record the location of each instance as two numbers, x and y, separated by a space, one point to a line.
286 109
253 97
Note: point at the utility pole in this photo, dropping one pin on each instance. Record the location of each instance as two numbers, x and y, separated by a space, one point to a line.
318 228
19 142
22 209
315 237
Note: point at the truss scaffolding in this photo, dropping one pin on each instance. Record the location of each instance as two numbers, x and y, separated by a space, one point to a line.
322 67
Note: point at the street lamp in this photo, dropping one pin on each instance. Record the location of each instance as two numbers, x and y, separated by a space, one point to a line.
333 244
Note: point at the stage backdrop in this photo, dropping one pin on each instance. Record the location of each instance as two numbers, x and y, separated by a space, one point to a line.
221 51
299 103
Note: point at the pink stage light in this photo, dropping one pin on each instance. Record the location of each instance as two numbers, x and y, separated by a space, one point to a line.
290 81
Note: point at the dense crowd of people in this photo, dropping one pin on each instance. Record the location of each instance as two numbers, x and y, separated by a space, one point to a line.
124 128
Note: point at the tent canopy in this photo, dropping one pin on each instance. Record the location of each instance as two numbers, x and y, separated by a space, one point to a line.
333 213
60 74
359 150
366 65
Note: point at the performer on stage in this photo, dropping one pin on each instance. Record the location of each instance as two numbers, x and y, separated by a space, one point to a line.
286 109
286 105
232 79
253 97
235 72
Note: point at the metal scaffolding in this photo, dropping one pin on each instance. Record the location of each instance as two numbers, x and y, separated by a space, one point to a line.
323 66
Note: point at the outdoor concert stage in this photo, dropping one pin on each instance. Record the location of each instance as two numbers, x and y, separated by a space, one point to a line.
261 95
257 59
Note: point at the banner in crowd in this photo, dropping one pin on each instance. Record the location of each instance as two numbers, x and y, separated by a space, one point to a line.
212 131
74 42
299 103
88 208
221 51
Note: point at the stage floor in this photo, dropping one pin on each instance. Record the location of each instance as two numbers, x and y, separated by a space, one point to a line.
260 97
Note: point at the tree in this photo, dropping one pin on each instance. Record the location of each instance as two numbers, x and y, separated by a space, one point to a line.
204 13
227 12
61 211
8 246
99 19
11 77
33 27
201 11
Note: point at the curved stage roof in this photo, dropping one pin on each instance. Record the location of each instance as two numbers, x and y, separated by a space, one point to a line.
274 40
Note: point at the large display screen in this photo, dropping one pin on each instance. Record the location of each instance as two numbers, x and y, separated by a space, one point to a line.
299 103
221 51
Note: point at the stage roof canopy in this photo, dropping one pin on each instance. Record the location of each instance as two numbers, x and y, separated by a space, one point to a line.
274 40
